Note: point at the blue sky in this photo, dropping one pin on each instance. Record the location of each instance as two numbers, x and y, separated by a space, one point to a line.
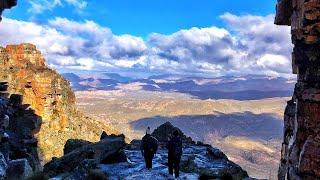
190 37
142 17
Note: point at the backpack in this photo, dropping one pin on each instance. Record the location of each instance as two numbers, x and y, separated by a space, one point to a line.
150 144
175 146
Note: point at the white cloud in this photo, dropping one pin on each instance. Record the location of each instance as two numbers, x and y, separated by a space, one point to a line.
79 4
259 38
249 45
67 44
275 63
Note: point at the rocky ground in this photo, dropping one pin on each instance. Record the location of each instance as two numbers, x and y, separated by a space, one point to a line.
126 162
195 160
135 168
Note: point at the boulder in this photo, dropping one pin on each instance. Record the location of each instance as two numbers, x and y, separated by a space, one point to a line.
215 153
116 157
98 151
134 144
210 163
189 165
3 86
82 171
18 169
73 144
96 174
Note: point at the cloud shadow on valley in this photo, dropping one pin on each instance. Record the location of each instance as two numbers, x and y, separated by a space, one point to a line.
254 126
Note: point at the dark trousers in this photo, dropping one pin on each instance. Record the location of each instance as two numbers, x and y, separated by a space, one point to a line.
148 160
5 149
174 164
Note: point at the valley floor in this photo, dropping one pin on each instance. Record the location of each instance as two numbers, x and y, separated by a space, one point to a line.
249 132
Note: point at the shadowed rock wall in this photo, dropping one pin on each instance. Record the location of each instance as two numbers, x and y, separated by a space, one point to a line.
301 146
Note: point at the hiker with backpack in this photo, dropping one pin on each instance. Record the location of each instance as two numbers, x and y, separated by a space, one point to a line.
174 153
149 147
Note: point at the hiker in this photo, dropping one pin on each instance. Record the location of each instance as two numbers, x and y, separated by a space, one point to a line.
174 153
149 147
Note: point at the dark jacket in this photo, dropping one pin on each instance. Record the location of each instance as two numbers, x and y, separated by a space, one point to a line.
175 146
149 144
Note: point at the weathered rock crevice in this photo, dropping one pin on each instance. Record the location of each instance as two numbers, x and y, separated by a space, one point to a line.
301 146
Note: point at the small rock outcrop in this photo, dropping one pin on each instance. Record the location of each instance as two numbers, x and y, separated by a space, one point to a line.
300 156
84 158
165 131
23 71
73 144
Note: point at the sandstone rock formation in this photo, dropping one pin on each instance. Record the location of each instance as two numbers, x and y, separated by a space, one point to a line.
301 147
23 68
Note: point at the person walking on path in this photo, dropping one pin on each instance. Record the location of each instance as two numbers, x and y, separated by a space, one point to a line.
174 153
149 147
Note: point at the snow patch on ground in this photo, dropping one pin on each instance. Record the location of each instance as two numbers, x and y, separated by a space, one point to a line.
135 168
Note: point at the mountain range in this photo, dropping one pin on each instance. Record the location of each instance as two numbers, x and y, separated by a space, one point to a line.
248 87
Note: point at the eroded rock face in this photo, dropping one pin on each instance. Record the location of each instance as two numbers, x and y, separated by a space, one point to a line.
50 96
300 150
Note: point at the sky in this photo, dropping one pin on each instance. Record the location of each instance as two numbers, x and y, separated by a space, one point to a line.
189 37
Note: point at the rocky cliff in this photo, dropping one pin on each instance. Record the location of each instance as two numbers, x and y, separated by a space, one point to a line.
18 146
301 146
49 94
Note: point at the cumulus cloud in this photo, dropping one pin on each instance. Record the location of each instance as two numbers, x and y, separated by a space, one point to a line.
258 38
248 45
213 45
68 44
